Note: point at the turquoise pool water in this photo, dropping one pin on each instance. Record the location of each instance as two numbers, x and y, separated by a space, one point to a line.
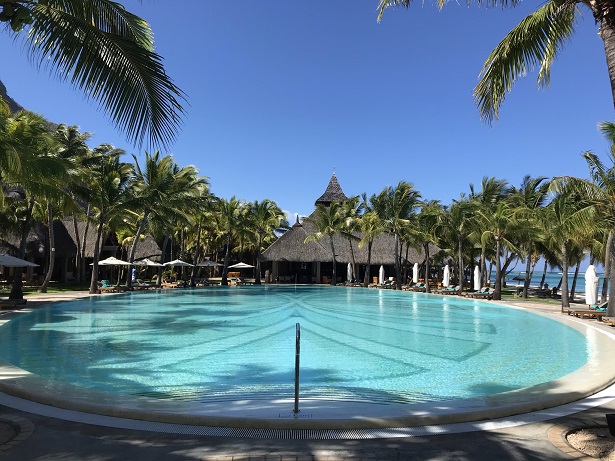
216 344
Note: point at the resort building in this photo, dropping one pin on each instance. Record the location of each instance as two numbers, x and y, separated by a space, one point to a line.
293 260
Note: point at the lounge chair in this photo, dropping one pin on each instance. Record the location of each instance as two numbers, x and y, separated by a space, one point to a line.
104 286
139 284
483 294
589 313
448 290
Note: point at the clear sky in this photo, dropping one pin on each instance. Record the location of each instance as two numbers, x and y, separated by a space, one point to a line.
281 94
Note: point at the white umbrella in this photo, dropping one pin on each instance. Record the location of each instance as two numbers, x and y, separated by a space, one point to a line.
147 262
178 262
12 261
349 272
477 278
415 273
240 266
591 285
112 261
381 275
446 277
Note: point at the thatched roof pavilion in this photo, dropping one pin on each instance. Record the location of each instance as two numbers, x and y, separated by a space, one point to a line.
290 255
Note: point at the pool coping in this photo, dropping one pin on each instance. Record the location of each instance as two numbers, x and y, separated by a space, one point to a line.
327 414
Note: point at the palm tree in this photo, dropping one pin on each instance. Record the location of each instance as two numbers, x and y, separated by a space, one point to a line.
350 211
228 215
458 224
428 223
371 227
328 220
530 198
161 188
265 217
395 206
535 41
109 196
106 51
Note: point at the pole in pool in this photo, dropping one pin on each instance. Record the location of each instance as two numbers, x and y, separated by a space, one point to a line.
297 354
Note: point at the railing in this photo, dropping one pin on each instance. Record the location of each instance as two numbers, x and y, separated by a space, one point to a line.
297 356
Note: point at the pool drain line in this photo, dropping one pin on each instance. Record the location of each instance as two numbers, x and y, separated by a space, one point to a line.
297 357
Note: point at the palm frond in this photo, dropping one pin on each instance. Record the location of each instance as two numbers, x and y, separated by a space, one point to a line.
535 41
107 52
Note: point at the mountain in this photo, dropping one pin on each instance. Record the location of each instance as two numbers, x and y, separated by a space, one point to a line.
13 105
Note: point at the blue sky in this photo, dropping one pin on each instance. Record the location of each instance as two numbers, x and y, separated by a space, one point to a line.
283 94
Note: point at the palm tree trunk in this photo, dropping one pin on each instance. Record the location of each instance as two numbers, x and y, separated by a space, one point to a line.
78 260
196 256
427 268
497 293
226 258
607 266
133 249
544 275
52 250
574 281
334 277
257 278
397 265
369 263
565 300
528 275
610 311
16 289
83 242
94 278
165 242
460 265
607 33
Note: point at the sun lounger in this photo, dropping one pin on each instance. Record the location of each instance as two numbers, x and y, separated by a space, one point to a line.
482 294
589 313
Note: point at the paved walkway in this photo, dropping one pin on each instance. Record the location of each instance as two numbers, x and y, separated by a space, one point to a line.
45 438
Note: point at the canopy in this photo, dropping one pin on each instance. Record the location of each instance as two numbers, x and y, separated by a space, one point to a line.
240 266
178 262
12 261
415 273
446 277
147 262
113 261
591 285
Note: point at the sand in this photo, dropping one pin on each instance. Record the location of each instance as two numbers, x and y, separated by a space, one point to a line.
596 442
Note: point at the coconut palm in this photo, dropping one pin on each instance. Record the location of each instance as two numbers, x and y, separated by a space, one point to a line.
108 53
530 199
534 42
395 206
161 188
228 215
459 225
266 217
371 227
428 223
327 220
350 211
110 194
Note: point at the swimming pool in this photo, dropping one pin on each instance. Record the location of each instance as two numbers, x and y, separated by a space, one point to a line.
213 345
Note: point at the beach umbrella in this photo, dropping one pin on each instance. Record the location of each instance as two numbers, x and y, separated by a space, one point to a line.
477 278
240 266
349 272
415 273
147 262
381 275
113 261
12 261
591 285
446 277
177 262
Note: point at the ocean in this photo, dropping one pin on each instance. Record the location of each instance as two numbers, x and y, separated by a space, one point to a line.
551 278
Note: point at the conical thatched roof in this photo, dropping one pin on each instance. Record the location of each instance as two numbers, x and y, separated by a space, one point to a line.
38 240
333 193
291 246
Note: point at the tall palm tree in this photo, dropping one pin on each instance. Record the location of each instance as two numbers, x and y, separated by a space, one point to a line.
162 187
371 227
534 42
109 197
530 199
327 220
459 225
428 223
229 215
265 217
395 206
106 51
350 211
